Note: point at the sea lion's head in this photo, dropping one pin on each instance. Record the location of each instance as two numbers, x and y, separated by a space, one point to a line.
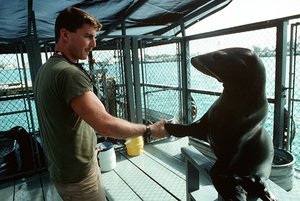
232 66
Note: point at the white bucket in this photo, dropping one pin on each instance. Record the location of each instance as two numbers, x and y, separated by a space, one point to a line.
106 156
282 172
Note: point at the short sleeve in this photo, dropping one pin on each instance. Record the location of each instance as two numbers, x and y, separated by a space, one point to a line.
73 82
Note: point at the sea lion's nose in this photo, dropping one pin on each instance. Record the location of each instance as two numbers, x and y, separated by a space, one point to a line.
194 61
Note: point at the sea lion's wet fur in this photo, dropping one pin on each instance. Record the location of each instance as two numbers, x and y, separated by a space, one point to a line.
233 125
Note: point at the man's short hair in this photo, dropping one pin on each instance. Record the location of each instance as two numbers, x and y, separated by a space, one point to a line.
72 19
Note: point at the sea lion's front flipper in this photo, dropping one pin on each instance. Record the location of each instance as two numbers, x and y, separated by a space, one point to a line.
198 129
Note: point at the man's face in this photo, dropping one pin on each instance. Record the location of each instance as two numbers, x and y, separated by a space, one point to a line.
81 43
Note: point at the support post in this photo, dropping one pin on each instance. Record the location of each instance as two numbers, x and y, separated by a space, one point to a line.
136 79
186 103
128 81
280 89
33 50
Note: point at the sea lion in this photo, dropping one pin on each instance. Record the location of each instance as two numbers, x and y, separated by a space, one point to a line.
234 124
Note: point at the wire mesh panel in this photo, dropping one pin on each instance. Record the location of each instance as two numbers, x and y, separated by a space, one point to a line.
19 149
107 72
14 92
160 69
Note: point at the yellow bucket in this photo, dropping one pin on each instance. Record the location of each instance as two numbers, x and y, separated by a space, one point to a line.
135 146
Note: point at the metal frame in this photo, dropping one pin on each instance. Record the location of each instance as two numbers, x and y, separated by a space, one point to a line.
131 68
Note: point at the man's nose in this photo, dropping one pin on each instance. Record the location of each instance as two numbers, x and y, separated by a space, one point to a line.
93 42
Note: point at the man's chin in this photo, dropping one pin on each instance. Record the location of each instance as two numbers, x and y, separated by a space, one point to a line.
83 57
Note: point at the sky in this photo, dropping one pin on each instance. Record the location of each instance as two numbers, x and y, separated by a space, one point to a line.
244 12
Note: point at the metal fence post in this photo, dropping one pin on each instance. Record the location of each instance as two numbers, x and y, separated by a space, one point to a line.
136 80
280 73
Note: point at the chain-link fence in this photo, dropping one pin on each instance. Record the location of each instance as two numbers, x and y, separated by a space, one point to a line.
20 148
14 92
107 71
161 69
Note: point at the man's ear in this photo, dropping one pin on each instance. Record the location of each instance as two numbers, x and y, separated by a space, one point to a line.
64 34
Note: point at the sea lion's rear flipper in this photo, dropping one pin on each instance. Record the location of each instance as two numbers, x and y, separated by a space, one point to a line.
257 188
226 183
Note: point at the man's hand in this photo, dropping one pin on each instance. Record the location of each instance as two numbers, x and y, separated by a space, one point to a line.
158 129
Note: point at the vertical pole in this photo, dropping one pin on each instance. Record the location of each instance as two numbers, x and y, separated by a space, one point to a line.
136 79
128 77
281 53
34 56
186 104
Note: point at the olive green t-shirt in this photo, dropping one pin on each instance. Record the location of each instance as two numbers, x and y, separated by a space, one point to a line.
69 142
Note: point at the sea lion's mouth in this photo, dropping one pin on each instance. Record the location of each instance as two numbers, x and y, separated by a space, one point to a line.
204 69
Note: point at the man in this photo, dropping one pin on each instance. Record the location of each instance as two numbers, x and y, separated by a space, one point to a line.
69 112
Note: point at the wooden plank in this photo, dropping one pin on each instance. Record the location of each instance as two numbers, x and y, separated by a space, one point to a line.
160 166
173 164
203 147
145 187
200 162
197 159
168 154
198 181
206 193
171 146
49 190
29 189
7 191
161 174
163 163
117 189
